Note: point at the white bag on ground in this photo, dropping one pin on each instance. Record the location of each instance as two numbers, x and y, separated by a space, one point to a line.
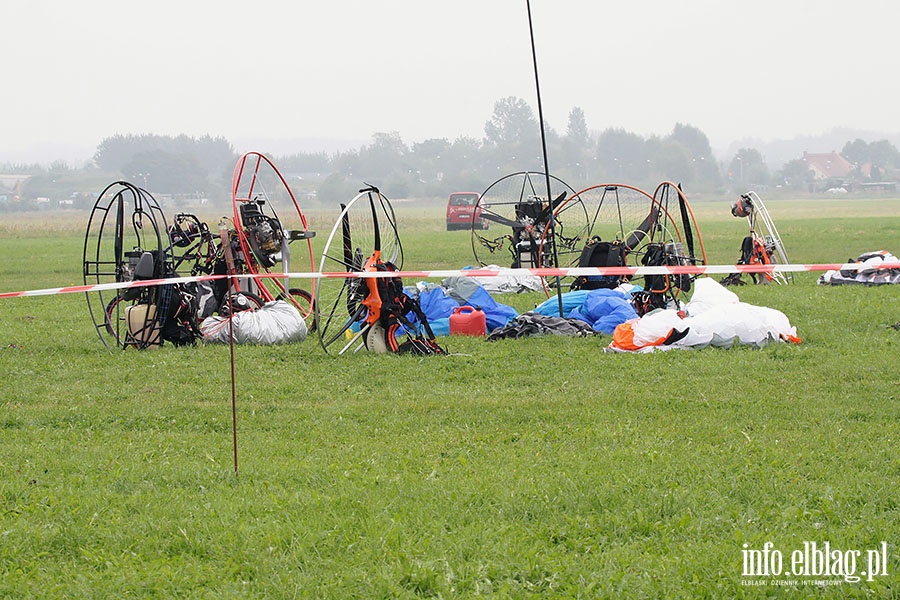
275 322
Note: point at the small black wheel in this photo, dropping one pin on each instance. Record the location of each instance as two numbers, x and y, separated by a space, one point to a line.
240 301
115 318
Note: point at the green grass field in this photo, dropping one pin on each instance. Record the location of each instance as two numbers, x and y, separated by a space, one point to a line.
540 467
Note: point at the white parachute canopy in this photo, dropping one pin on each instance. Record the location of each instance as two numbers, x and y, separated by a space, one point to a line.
714 317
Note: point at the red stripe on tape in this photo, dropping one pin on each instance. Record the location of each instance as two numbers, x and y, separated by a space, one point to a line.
540 272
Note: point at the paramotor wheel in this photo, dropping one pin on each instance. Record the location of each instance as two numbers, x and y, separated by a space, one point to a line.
519 213
366 225
763 229
663 246
301 297
613 213
674 203
268 219
125 223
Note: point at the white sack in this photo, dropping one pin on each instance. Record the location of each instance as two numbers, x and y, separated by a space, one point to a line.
275 322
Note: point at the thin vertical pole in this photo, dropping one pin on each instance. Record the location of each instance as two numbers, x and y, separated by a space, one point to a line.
229 261
233 387
552 224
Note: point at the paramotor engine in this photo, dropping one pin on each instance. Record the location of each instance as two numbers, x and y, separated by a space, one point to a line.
762 246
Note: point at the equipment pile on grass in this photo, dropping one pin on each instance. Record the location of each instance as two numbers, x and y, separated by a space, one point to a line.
714 317
869 273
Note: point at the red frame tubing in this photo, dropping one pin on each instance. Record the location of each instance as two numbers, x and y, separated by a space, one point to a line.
690 212
239 225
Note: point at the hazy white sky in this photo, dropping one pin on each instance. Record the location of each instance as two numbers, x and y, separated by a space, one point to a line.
77 72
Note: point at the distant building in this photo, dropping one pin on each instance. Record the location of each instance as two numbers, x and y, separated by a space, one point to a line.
828 166
11 186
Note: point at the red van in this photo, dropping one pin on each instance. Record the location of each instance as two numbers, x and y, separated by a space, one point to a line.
462 208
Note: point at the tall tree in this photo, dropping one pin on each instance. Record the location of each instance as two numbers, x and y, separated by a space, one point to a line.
428 160
576 148
856 152
693 139
621 155
512 123
748 167
429 155
385 157
671 160
796 174
513 135
464 166
207 158
883 154
166 172
577 129
306 162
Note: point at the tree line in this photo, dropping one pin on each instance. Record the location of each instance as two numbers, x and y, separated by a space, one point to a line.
203 166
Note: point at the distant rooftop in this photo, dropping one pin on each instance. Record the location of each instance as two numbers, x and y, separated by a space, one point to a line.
827 166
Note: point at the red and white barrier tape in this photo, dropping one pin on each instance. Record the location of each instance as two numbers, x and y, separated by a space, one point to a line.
542 272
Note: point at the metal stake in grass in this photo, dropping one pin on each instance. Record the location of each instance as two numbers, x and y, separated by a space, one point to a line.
229 261
233 389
